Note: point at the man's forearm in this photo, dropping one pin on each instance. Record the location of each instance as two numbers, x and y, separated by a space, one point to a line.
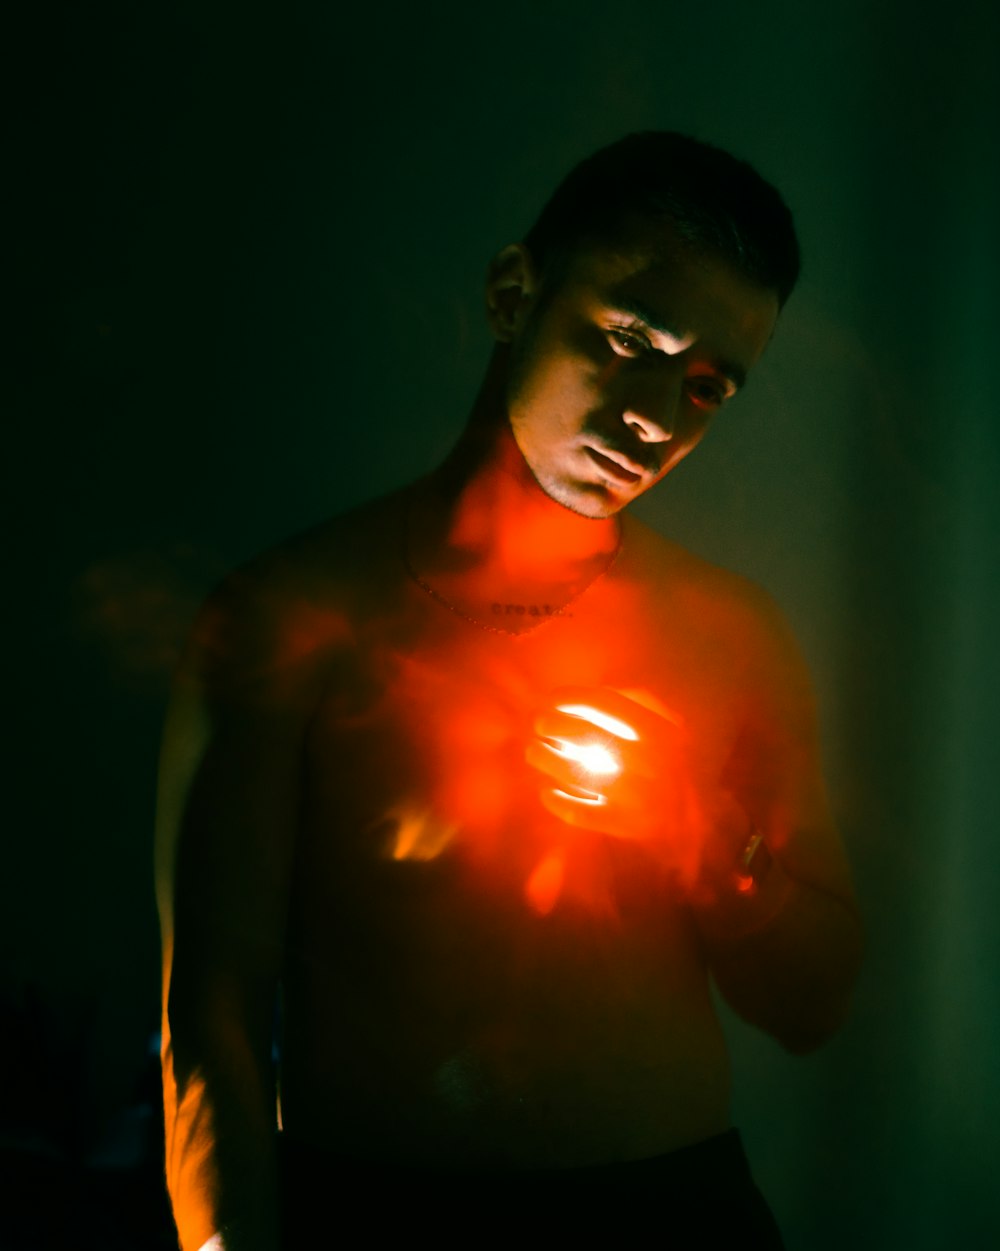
785 954
220 1150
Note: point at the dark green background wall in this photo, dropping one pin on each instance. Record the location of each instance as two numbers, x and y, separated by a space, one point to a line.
247 254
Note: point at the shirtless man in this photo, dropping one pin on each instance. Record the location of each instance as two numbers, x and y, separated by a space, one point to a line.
490 779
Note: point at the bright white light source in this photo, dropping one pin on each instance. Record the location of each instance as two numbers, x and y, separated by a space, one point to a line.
603 721
596 759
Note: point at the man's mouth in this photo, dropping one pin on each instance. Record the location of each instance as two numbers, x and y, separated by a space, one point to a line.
620 468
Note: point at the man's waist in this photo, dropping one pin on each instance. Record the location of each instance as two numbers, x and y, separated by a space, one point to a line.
462 1119
700 1194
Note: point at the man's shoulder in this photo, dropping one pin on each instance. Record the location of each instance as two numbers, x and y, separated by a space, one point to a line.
730 616
696 584
346 550
305 597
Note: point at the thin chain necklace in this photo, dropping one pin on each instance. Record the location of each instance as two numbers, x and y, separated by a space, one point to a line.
443 600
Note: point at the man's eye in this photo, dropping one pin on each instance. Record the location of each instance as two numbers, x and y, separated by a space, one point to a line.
705 392
626 343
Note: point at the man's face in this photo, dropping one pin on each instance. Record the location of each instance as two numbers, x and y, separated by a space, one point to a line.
616 372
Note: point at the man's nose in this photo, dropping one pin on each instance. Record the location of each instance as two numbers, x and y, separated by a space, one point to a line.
651 409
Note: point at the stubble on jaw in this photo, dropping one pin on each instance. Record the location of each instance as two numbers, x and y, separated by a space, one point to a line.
574 499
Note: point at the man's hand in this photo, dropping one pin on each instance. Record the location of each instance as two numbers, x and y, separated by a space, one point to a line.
622 767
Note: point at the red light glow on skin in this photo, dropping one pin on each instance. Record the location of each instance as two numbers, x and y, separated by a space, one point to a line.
418 836
544 886
525 791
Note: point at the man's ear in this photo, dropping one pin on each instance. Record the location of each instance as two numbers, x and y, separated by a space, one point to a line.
511 285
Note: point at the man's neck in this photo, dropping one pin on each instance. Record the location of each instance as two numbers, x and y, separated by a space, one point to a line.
484 511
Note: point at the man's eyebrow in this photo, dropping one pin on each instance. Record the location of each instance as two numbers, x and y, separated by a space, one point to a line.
735 374
635 308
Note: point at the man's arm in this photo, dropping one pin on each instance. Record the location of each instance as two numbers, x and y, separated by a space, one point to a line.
786 951
783 934
226 819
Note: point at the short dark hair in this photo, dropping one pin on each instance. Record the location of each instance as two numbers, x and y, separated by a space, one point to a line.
716 204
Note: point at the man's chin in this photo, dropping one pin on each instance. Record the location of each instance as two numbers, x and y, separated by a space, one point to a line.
591 500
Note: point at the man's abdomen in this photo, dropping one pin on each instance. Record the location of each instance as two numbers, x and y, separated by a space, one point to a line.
449 1033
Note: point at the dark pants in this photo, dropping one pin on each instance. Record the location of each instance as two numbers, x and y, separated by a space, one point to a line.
691 1198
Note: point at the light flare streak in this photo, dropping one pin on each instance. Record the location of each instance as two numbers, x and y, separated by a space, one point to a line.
594 758
581 797
602 720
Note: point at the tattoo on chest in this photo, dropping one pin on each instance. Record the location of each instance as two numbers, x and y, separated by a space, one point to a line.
528 610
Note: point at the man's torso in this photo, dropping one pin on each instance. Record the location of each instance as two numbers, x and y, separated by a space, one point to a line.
433 1008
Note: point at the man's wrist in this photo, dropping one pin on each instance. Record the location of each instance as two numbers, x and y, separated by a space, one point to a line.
736 898
753 864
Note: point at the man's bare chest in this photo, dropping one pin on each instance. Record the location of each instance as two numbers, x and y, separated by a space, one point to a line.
417 753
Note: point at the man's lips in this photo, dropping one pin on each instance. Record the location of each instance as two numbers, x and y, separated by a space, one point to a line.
620 468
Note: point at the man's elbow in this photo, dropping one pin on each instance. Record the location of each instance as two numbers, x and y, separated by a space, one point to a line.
808 1010
802 1004
804 1027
